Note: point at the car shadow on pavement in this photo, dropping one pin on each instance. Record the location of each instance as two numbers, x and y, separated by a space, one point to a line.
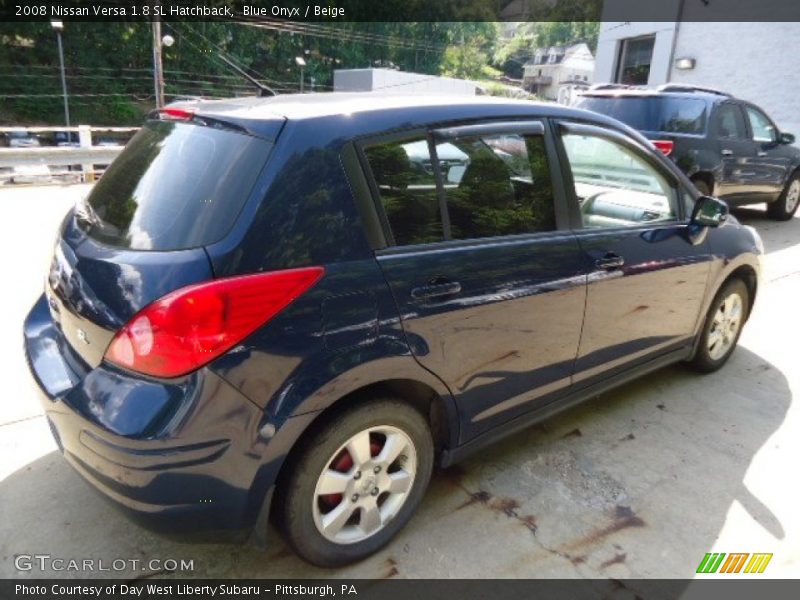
777 235
637 483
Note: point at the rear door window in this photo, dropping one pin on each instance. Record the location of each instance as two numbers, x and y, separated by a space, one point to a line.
175 186
403 174
500 187
730 122
492 185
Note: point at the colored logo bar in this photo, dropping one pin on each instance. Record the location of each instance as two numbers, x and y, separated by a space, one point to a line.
716 562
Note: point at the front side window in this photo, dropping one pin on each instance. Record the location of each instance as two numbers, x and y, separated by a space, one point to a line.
730 122
496 185
615 185
763 129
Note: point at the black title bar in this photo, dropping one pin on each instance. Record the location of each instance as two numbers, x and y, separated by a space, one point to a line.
332 11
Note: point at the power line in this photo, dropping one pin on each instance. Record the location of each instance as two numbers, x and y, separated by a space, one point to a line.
323 31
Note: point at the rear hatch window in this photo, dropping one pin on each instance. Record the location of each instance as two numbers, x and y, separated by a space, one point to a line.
175 186
655 113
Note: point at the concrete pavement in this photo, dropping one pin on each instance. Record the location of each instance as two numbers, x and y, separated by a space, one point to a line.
639 483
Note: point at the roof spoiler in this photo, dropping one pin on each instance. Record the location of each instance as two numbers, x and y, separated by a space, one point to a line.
682 87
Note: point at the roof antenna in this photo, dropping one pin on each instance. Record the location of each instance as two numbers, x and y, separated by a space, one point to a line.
263 90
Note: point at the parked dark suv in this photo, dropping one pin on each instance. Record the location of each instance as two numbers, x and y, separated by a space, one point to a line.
729 148
295 294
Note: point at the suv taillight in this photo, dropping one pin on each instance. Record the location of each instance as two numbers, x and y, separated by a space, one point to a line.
665 146
192 326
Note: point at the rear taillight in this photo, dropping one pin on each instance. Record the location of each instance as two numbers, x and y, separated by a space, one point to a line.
665 146
192 326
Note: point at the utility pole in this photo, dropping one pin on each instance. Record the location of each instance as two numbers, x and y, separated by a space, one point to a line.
158 72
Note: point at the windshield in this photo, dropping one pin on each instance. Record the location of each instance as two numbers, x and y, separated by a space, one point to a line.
656 113
175 186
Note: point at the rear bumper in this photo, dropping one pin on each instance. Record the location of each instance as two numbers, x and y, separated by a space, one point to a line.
180 457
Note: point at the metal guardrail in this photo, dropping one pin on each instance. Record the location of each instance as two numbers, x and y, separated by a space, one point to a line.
79 162
12 157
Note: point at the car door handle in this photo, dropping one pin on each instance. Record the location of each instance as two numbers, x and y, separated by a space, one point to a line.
761 153
727 153
436 290
610 261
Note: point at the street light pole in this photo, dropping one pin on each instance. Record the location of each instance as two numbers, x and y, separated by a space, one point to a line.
158 73
59 26
301 62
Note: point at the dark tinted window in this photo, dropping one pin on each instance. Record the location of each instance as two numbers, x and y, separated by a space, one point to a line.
730 122
176 185
634 61
407 188
497 185
656 113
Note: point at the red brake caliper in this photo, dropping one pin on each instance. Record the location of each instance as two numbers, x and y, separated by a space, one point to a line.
343 463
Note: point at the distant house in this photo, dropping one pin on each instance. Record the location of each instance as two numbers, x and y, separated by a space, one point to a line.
554 72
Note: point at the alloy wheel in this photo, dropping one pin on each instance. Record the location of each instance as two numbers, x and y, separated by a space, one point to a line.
725 326
364 484
792 196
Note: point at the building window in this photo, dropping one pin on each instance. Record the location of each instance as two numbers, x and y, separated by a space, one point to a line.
634 60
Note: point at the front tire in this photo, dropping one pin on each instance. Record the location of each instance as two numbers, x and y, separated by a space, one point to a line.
723 326
786 205
356 483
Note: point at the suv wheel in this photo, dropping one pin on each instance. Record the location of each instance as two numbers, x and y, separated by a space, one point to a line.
785 206
723 326
357 483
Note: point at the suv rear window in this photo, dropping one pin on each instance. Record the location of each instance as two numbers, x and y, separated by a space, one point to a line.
653 113
175 186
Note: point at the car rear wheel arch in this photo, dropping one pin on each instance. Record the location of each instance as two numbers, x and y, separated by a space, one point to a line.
418 395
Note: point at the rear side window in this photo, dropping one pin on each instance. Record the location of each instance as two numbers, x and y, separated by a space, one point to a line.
494 185
407 187
656 113
500 186
175 186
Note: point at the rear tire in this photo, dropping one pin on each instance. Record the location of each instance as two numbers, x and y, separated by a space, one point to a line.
356 483
722 327
786 205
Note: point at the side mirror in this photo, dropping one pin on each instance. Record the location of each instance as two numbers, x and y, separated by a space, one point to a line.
786 138
709 212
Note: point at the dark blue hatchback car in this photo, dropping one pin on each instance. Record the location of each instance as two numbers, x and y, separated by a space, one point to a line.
295 307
